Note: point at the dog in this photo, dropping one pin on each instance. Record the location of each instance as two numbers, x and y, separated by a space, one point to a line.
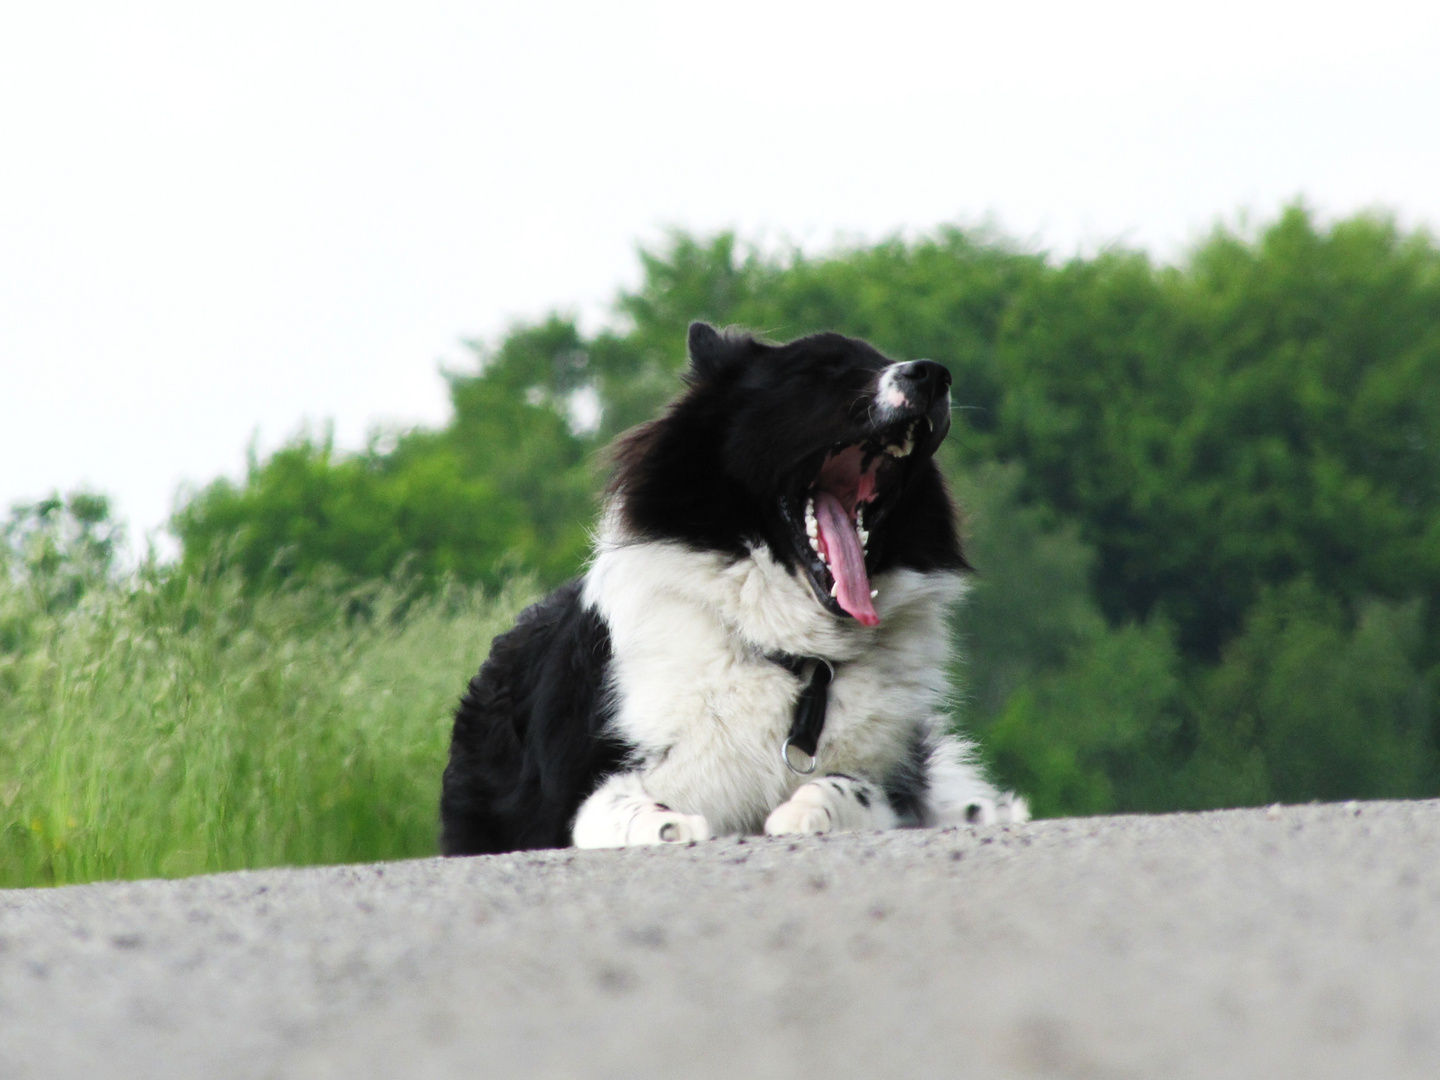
760 642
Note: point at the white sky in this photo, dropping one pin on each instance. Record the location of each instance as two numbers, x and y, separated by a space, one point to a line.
220 221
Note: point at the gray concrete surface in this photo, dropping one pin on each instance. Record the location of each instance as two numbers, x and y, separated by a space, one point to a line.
1302 942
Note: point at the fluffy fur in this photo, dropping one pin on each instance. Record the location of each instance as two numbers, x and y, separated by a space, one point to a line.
642 704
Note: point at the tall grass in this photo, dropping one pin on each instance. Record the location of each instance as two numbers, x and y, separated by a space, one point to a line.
173 727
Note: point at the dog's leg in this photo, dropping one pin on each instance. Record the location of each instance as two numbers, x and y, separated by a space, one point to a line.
835 803
620 814
957 794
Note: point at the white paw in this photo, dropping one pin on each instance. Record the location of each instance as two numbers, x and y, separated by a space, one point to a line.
834 803
793 817
666 827
1012 809
807 811
1006 808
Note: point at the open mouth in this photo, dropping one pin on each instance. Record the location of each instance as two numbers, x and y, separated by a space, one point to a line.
844 504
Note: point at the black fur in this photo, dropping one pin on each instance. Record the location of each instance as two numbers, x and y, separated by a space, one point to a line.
907 787
726 467
529 742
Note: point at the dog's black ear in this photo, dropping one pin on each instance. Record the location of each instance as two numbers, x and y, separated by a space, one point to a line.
710 351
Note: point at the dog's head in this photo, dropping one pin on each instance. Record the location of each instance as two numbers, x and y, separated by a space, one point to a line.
822 450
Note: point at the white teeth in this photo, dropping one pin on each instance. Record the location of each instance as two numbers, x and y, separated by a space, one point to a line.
812 529
835 589
874 593
909 444
864 535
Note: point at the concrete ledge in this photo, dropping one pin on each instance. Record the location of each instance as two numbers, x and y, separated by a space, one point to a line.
1296 942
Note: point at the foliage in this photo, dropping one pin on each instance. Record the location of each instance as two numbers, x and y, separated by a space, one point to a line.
1310 700
1314 702
60 546
168 725
506 488
1266 412
1073 712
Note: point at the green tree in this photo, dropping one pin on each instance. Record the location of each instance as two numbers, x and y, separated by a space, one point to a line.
1266 411
1313 702
504 489
61 546
1080 715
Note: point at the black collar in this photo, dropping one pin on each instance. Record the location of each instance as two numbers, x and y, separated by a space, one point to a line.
815 674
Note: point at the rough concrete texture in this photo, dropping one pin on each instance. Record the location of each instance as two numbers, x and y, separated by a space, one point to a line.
1302 942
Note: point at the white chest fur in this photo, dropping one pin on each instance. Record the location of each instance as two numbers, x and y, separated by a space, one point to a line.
708 713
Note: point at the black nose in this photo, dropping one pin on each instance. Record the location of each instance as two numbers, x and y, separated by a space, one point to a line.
925 376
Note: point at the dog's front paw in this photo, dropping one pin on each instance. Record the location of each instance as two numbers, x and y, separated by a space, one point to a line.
1007 808
664 826
805 812
788 818
1012 809
834 803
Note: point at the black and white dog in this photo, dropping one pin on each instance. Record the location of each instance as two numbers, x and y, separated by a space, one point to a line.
760 642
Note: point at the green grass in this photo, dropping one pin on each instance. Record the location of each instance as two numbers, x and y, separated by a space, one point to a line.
165 728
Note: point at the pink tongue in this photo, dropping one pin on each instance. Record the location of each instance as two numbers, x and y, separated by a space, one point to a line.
847 560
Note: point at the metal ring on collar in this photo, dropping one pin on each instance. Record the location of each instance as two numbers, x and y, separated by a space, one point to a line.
789 752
